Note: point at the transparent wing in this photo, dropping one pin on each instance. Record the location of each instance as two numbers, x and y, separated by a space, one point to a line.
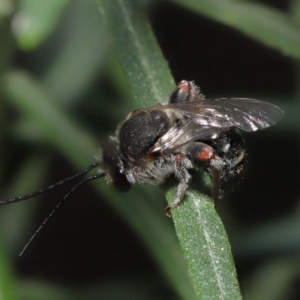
207 117
178 136
245 114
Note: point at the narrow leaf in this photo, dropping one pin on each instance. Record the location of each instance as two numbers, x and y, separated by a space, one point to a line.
200 231
206 248
145 69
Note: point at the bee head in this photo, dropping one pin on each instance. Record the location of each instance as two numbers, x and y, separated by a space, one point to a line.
113 165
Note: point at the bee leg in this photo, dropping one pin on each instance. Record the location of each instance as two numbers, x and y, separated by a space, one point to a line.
200 152
182 186
196 152
182 166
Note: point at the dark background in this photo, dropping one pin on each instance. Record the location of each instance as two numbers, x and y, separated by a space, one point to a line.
224 63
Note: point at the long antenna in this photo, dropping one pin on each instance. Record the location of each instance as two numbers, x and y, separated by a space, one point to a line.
93 177
51 187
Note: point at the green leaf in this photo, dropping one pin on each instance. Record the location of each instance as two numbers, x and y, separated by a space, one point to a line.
267 25
18 217
206 248
7 290
6 8
80 46
145 69
200 231
35 103
273 279
35 20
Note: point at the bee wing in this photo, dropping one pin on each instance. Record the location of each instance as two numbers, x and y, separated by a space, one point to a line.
176 136
245 114
207 117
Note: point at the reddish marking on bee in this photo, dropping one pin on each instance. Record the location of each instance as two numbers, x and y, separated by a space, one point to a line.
184 85
136 112
150 155
206 155
178 158
188 88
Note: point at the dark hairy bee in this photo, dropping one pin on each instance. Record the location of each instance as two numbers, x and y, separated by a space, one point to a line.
153 143
170 139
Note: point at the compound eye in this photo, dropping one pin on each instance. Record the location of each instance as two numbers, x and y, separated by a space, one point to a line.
120 183
113 165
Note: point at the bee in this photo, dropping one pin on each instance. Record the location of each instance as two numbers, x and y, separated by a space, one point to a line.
172 139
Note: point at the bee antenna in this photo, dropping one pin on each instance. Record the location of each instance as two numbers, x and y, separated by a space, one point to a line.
93 177
51 187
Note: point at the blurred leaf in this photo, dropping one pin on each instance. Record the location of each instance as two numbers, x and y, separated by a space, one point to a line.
273 280
17 218
6 8
263 23
36 20
35 290
125 288
32 99
81 47
24 130
279 236
295 9
7 43
7 287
